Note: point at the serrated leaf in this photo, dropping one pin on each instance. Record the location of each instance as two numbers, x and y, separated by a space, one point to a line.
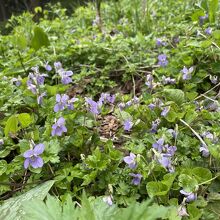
12 208
3 166
213 8
188 183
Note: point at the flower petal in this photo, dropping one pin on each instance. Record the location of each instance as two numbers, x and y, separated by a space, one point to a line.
26 163
39 148
28 153
37 162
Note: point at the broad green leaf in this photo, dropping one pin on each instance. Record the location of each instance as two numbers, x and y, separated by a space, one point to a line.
11 125
12 208
188 183
216 34
157 189
39 39
202 174
24 119
175 95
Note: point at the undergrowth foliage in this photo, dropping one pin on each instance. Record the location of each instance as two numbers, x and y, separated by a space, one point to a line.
116 121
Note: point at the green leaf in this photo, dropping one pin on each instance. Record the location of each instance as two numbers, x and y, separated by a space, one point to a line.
24 119
12 208
11 125
202 174
188 183
39 39
157 189
213 8
3 166
216 34
175 95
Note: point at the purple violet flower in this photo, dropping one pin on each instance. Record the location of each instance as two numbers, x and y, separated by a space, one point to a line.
16 81
190 196
65 77
168 80
165 111
152 106
70 103
182 211
61 101
202 19
158 145
58 66
121 106
160 42
187 73
170 149
154 125
165 161
59 127
131 161
149 81
40 98
94 107
204 150
32 157
162 60
128 125
108 200
208 31
48 67
137 178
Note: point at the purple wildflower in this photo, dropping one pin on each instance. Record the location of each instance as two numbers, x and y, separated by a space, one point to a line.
152 106
32 157
170 149
137 178
128 125
204 150
70 103
108 200
40 98
16 81
131 161
94 107
165 111
160 42
121 106
172 132
190 196
149 81
187 73
182 211
208 31
165 161
58 66
107 97
48 67
162 60
168 80
202 19
154 125
32 87
59 127
158 145
135 100
61 101
65 77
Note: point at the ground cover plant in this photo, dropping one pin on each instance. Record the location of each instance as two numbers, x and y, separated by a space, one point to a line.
117 119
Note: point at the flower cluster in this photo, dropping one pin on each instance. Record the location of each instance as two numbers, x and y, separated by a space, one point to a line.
187 73
65 75
64 101
129 103
164 154
160 42
59 127
132 164
94 107
162 60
